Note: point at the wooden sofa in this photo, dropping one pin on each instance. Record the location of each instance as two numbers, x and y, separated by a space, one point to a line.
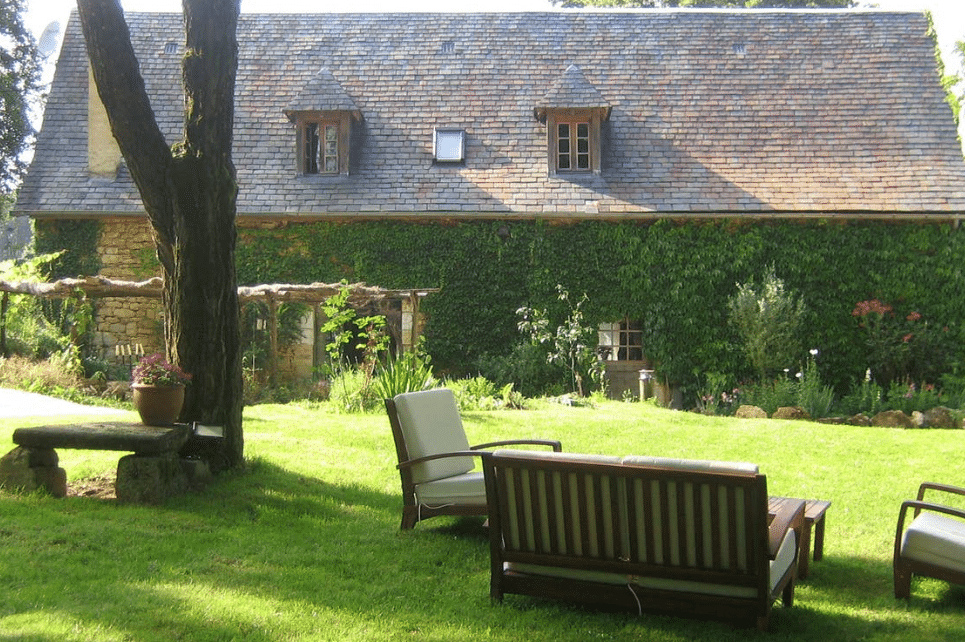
690 538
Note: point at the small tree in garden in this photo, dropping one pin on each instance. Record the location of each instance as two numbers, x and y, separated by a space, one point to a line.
572 344
768 319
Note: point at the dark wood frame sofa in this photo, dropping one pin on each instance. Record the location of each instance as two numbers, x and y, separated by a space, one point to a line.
682 537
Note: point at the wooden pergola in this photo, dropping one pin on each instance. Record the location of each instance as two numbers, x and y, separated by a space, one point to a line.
272 295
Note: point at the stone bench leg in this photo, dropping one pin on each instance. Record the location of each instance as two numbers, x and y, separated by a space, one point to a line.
150 479
31 469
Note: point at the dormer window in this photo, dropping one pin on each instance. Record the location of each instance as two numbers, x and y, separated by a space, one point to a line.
574 140
321 147
574 112
323 114
323 142
573 146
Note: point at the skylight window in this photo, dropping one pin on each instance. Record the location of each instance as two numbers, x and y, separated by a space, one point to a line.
449 145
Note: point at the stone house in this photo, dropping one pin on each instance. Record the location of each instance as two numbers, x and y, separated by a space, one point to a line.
561 117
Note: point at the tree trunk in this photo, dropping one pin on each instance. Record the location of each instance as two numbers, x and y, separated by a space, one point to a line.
189 192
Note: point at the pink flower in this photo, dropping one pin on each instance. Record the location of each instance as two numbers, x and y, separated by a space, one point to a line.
908 337
914 316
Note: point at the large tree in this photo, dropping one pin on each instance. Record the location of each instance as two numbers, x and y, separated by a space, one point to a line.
747 4
189 193
19 86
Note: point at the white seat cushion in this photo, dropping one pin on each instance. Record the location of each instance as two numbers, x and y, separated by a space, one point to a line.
556 456
468 488
431 425
936 539
697 465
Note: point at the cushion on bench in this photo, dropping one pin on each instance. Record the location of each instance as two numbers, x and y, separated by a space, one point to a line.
936 539
692 464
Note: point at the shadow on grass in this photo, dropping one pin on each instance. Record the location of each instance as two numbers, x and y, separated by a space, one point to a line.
268 555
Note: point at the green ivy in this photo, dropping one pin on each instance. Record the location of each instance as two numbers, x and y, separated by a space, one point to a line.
674 277
76 238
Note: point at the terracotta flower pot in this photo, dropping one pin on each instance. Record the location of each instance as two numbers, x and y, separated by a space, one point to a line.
158 405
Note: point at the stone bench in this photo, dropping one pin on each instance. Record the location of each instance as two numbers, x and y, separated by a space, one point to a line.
153 473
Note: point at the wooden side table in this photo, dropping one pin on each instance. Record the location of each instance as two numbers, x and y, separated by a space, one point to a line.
814 512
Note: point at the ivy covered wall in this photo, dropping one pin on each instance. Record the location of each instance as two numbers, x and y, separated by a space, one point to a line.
675 278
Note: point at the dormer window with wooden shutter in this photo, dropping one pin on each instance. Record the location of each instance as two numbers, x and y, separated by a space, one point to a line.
323 114
573 111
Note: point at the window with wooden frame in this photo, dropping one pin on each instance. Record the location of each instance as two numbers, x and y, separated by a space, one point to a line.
574 140
323 143
620 341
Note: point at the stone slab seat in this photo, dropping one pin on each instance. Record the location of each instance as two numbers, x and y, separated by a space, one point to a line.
152 474
119 436
675 536
933 544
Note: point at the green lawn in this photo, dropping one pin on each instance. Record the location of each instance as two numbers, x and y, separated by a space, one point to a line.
305 545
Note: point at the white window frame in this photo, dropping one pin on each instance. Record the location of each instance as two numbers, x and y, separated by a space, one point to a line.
449 145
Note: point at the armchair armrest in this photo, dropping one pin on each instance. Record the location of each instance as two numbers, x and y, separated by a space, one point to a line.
555 445
945 488
460 453
919 506
791 516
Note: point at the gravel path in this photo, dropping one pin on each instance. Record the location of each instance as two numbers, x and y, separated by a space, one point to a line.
17 403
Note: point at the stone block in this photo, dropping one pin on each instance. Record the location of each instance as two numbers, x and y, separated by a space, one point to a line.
150 480
940 417
29 469
790 412
750 412
892 419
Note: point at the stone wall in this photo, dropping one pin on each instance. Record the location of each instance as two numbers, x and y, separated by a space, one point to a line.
126 248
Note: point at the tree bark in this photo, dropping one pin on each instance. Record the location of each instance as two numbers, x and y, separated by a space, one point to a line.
189 193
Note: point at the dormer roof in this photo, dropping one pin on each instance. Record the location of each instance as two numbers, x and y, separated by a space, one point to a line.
322 92
573 91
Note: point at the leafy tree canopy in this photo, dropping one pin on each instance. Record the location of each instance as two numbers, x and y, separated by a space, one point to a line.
741 4
19 85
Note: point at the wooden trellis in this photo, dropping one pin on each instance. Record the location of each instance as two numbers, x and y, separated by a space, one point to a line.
273 295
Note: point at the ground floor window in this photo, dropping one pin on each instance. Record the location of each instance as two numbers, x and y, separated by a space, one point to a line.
621 341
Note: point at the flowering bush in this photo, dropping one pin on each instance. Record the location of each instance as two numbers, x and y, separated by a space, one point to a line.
903 347
155 370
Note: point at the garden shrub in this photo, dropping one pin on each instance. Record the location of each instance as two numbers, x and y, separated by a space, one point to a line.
768 319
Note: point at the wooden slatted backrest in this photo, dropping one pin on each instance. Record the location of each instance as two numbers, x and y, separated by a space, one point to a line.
567 510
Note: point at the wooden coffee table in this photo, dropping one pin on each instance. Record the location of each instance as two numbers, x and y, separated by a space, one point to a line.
814 510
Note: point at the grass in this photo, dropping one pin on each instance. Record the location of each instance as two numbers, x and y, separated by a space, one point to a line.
304 544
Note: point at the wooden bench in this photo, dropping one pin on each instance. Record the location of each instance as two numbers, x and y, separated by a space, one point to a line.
153 473
814 510
687 538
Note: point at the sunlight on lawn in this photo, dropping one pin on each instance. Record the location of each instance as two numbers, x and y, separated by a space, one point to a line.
304 544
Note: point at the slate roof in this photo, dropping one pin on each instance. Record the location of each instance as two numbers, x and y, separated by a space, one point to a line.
717 112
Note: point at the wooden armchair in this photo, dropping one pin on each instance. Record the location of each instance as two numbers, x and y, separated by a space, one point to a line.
933 545
436 461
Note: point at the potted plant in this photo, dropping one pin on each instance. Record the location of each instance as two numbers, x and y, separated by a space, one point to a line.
158 388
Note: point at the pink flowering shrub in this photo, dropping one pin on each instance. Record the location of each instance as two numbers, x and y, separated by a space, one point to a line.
902 347
155 370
